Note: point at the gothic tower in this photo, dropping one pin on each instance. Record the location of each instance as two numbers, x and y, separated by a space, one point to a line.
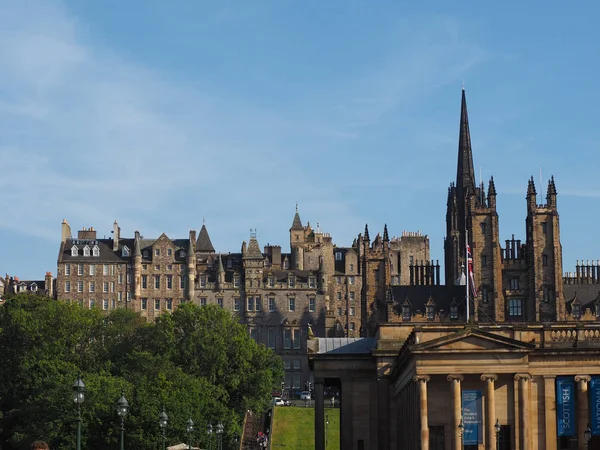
296 242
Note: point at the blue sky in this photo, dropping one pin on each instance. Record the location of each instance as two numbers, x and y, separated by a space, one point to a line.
159 114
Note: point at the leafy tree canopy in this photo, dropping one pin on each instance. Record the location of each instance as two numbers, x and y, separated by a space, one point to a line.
197 362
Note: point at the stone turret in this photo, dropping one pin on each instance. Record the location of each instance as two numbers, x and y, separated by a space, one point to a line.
220 274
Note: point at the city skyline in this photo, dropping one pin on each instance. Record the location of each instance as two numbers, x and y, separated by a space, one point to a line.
160 118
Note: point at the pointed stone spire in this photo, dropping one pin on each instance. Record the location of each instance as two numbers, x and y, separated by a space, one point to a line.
551 193
367 238
386 237
253 251
203 244
220 268
491 198
465 173
531 195
531 188
297 223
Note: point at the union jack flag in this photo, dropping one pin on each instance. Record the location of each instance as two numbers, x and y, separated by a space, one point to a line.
470 269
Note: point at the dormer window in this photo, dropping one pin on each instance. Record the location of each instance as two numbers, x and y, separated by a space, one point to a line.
182 253
286 265
514 284
74 251
311 282
576 311
271 281
125 251
338 256
430 311
229 263
33 287
291 281
86 251
454 312
96 251
146 253
236 281
406 315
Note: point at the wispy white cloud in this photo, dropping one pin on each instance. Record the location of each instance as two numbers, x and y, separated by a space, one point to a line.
91 136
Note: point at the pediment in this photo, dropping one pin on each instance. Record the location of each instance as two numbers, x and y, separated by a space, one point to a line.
472 340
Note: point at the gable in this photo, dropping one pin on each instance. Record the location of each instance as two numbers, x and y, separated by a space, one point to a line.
472 341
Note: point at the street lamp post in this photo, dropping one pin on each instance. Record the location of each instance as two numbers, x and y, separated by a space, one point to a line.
497 428
326 426
282 388
190 428
122 410
163 420
461 432
220 435
587 435
209 431
78 398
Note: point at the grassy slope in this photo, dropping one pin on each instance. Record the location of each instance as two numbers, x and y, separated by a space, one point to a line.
294 428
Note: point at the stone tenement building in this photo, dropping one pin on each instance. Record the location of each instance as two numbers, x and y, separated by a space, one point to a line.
276 295
522 373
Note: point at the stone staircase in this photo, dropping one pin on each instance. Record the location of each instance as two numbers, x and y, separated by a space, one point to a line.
253 423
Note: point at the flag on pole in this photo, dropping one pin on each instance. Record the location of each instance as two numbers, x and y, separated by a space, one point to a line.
470 270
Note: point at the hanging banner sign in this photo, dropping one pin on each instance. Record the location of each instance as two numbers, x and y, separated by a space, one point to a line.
472 417
565 406
595 405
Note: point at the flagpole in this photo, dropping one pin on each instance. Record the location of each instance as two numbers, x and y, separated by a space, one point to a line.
467 272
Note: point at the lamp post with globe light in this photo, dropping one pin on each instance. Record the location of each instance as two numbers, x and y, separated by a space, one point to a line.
497 428
220 436
122 410
587 435
209 431
190 428
163 420
461 432
78 398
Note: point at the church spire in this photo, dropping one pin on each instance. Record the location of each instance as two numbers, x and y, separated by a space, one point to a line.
297 223
465 174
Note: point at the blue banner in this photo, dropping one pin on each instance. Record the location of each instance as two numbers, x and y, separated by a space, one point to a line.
472 417
595 405
565 406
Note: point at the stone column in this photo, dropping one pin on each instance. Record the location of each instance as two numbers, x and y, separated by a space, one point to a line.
319 415
550 411
523 379
422 381
582 408
456 408
346 416
490 411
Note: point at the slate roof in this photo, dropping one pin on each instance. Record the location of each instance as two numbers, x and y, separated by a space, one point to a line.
418 296
297 223
203 243
348 346
587 294
253 251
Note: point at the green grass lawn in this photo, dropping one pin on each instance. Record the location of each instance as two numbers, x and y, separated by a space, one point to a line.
294 428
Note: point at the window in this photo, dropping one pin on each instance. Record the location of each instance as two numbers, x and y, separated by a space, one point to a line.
112 287
80 286
157 252
67 286
254 334
406 315
482 225
125 252
352 326
296 364
597 310
67 269
411 260
271 304
169 252
515 307
169 266
182 253
257 303
202 301
250 303
311 304
453 312
287 364
74 251
576 311
144 281
144 303
484 295
146 254
351 296
157 303
544 227
291 281
548 294
105 287
120 296
338 280
128 277
181 282
236 304
544 260
120 279
156 281
105 270
350 280
202 281
236 281
287 339
430 311
292 304
156 266
339 295
483 261
352 311
514 284
169 302
297 339
270 338
105 304
311 282
271 281
86 251
286 265
220 302
338 256
92 303
351 267
339 311
79 269
296 382
92 269
169 281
